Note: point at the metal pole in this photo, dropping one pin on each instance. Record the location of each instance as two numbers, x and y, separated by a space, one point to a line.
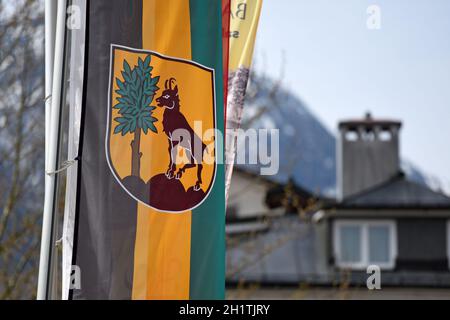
50 24
47 238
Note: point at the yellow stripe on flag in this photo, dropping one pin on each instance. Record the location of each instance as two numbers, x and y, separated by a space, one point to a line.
163 240
243 26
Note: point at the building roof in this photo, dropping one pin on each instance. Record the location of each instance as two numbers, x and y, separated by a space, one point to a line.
287 194
285 253
397 193
369 121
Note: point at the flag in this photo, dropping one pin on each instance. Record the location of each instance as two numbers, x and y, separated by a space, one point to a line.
150 199
243 26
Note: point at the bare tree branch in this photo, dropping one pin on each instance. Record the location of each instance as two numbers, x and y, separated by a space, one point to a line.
21 145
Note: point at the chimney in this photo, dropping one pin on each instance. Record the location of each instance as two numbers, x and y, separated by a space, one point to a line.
367 154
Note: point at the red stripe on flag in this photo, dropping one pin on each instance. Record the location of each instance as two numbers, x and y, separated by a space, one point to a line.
226 4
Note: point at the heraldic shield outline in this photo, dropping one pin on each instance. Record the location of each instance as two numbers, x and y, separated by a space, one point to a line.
161 128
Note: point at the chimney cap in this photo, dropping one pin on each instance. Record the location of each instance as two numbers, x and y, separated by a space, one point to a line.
369 121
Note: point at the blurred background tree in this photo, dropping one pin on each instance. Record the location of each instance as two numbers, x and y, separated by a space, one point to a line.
22 121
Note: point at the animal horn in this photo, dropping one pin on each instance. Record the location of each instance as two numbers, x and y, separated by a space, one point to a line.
166 84
170 82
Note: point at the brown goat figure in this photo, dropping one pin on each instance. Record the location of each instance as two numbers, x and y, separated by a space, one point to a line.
180 133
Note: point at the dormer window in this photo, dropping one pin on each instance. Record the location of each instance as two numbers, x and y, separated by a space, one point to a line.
358 243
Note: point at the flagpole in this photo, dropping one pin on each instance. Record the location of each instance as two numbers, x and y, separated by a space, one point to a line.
50 12
50 29
54 78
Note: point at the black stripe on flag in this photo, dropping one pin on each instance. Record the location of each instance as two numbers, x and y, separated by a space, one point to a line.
105 225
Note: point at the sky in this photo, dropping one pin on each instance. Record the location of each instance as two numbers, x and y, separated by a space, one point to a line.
329 58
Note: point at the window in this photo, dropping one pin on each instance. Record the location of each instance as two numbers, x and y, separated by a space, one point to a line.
368 136
358 244
351 136
385 135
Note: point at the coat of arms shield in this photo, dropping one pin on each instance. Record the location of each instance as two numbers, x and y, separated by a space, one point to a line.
161 137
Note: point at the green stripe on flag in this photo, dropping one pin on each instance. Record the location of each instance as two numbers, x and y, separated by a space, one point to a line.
207 278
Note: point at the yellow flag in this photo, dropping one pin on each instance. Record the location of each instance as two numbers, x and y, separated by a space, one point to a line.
243 26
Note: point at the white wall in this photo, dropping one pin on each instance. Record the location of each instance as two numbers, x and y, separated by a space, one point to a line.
247 194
